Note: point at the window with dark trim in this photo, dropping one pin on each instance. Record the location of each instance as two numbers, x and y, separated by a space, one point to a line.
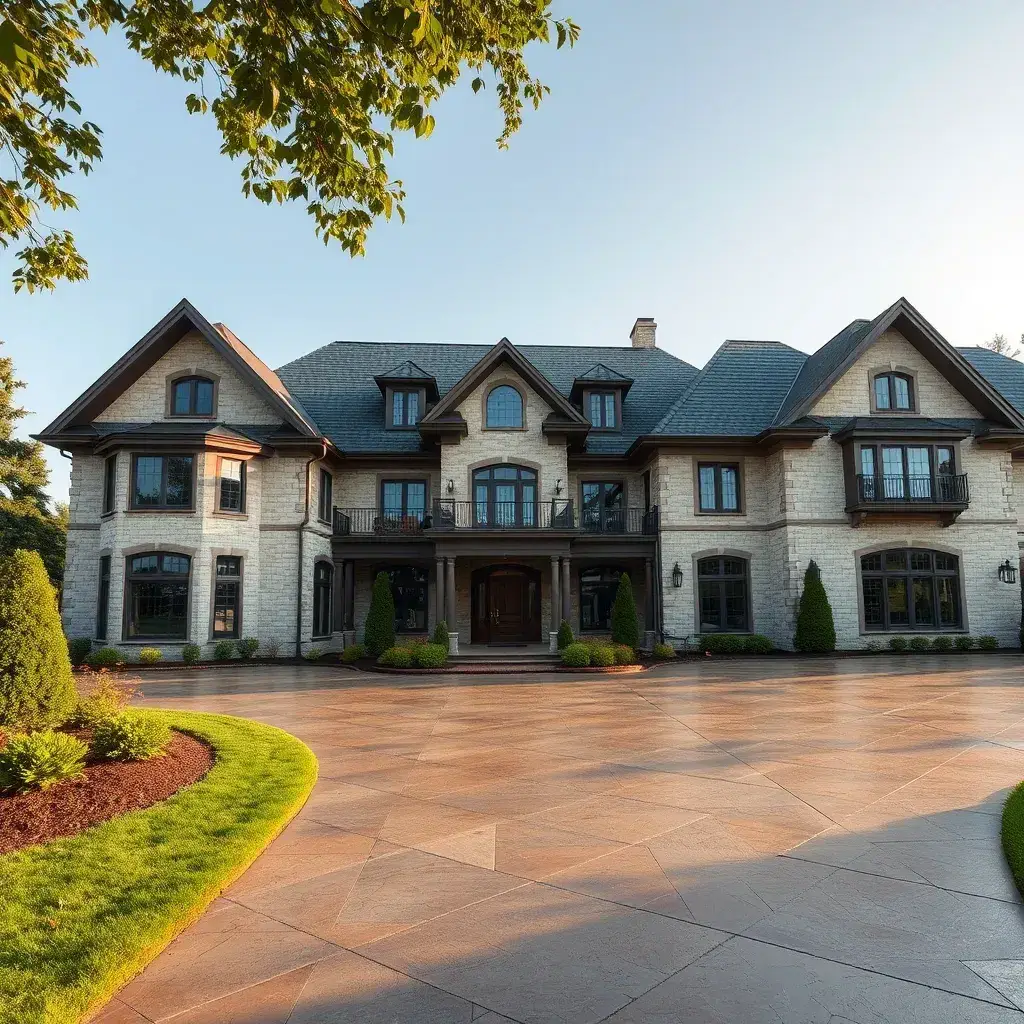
402 500
232 486
405 408
911 589
227 597
162 481
323 583
326 501
912 472
603 507
109 483
893 391
103 600
598 587
505 496
601 410
718 486
504 408
409 592
723 594
157 600
192 396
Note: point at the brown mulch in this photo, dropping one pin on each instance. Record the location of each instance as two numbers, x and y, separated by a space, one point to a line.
108 789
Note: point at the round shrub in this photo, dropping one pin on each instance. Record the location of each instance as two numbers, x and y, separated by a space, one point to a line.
440 636
106 657
353 653
396 657
131 736
722 643
664 652
40 759
576 655
565 636
963 643
624 654
150 655
36 685
79 649
103 701
379 632
988 643
942 644
224 650
898 644
757 644
313 654
920 643
191 653
815 627
602 657
430 655
625 627
248 646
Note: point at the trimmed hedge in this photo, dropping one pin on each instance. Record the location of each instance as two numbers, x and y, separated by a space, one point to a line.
441 634
1013 834
920 643
191 653
576 655
624 654
988 643
602 657
353 653
379 632
79 649
898 644
396 657
150 655
429 655
721 643
942 644
248 646
756 643
664 652
105 657
815 627
224 650
625 627
963 643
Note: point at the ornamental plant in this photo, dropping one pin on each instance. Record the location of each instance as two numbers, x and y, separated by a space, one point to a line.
79 648
815 627
756 643
105 700
37 688
39 759
353 653
191 653
664 652
963 643
105 657
441 634
602 657
576 655
430 655
565 636
248 646
625 627
224 650
920 643
942 644
624 655
379 632
131 736
396 657
898 644
150 655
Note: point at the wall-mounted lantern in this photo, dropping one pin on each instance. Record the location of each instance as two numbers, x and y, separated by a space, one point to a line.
1007 573
451 486
558 486
677 576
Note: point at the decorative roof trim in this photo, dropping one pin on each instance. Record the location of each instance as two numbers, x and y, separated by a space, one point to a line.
400 376
612 380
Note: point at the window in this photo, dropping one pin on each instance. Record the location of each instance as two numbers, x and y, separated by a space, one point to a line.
603 507
192 396
103 601
597 595
722 594
157 605
227 597
409 592
405 408
504 408
162 481
505 496
911 589
718 486
323 582
897 472
601 409
109 483
893 391
326 502
404 501
232 486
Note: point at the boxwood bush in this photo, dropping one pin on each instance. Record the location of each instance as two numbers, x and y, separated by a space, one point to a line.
248 646
988 643
150 655
79 649
224 650
664 652
396 657
191 653
565 636
756 643
106 657
430 655
131 736
920 643
602 657
624 654
353 653
963 643
898 644
576 655
722 643
942 644
441 634
313 654
39 759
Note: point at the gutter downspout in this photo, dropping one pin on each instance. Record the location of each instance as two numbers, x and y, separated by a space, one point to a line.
302 552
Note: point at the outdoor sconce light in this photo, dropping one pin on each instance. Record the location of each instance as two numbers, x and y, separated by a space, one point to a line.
558 486
451 486
677 576
1007 573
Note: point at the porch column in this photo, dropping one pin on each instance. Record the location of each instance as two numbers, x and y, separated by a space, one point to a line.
566 592
555 620
450 596
338 599
439 608
648 595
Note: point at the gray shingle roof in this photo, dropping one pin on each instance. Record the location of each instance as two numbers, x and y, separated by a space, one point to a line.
1005 374
601 372
408 371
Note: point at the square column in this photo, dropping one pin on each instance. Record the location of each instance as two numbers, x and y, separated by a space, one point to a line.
555 609
440 611
449 594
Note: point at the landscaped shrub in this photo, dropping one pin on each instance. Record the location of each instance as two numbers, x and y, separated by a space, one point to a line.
942 644
988 643
106 657
224 650
40 759
815 627
625 627
576 655
103 701
920 643
664 652
131 736
248 646
441 634
602 657
964 643
565 636
150 655
898 644
36 685
79 648
757 644
313 654
271 648
430 655
353 653
396 657
191 653
722 643
379 633
624 654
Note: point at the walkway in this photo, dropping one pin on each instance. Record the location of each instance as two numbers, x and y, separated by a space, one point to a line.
809 842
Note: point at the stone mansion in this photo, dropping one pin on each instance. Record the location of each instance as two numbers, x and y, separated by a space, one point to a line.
506 487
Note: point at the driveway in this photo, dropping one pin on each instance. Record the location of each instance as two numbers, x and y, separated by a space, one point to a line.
812 842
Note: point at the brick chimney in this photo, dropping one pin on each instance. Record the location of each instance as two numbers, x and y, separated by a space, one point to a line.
643 332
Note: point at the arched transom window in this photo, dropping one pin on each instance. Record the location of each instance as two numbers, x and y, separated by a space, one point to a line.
504 408
893 391
505 496
911 589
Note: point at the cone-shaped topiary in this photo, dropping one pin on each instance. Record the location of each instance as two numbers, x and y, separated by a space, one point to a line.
625 628
36 685
815 628
565 636
441 634
379 634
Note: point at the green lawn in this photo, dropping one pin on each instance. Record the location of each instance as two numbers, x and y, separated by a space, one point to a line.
1013 834
80 916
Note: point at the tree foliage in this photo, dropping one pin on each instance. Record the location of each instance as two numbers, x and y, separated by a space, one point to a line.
999 343
379 633
625 627
815 627
306 94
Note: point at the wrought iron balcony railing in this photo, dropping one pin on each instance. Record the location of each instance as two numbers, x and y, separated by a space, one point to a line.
940 489
630 521
556 514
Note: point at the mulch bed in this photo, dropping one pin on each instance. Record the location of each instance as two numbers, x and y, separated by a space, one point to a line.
108 789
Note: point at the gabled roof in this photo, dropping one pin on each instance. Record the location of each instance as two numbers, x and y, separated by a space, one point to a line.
407 373
601 375
601 372
182 319
1001 371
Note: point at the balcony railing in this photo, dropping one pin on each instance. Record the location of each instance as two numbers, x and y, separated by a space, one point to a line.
372 522
604 521
941 489
556 514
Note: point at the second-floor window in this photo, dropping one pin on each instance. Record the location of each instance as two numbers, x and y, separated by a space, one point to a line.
161 482
326 501
603 505
893 391
405 408
192 396
109 483
908 472
601 410
232 486
401 499
718 486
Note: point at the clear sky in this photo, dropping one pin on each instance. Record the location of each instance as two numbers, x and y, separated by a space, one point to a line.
733 168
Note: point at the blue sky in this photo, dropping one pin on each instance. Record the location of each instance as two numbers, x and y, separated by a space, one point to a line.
733 169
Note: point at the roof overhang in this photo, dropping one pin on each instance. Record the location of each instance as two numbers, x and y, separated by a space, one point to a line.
910 432
580 385
764 443
428 384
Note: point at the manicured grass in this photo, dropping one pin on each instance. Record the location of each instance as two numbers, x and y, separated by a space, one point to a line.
1013 834
80 916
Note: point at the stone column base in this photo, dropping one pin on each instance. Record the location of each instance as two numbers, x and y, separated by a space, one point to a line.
348 638
453 645
553 643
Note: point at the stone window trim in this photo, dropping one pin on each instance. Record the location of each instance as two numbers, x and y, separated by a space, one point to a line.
748 560
595 427
192 371
317 562
130 506
739 464
163 549
242 513
109 506
241 554
516 385
926 544
899 370
389 407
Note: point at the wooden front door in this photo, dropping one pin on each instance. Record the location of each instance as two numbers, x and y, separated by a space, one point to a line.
506 605
508 599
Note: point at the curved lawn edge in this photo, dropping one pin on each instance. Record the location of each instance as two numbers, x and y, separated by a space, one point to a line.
1013 834
81 916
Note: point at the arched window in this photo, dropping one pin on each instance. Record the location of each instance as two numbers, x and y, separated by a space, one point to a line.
911 589
504 408
505 496
192 396
893 391
323 583
157 598
598 587
723 594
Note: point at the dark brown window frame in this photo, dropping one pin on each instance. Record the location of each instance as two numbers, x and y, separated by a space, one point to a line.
325 509
602 427
909 575
130 579
892 408
405 481
494 386
933 463
389 407
718 466
603 483
745 576
320 613
193 379
163 508
240 511
103 599
237 579
109 485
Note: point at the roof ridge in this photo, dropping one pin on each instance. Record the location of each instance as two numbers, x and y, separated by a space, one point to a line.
687 391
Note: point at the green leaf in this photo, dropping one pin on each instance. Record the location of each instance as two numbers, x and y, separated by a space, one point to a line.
271 97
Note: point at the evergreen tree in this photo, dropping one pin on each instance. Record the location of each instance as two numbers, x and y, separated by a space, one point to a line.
625 628
815 628
36 685
379 633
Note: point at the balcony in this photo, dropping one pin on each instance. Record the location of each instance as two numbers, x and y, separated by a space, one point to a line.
557 514
946 495
619 522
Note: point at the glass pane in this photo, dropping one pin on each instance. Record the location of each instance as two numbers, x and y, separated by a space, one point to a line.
392 499
157 609
595 410
920 560
710 607
867 461
871 563
924 602
504 407
527 474
591 517
609 410
709 567
873 614
229 566
944 562
892 472
416 502
949 600
882 392
944 461
895 560
919 470
707 488
175 564
230 485
148 475
730 499
505 473
204 398
412 408
145 563
505 504
182 397
481 504
899 614
902 388
225 607
529 505
735 594
397 408
597 595
613 495
179 481
409 591
733 567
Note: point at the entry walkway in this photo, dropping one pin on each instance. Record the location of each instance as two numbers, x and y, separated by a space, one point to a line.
811 842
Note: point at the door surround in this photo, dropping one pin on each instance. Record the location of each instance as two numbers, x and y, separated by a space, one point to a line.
485 589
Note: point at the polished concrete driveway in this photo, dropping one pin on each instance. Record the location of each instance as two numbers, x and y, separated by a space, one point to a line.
809 842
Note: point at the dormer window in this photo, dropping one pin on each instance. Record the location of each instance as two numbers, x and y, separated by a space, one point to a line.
602 409
893 392
192 396
405 408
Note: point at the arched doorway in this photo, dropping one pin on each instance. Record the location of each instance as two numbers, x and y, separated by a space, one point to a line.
505 605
